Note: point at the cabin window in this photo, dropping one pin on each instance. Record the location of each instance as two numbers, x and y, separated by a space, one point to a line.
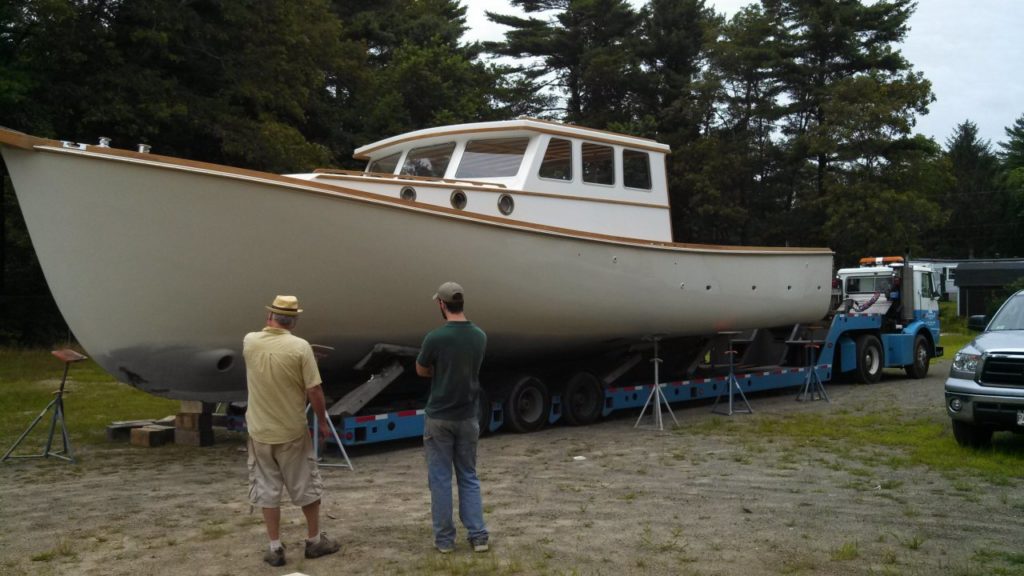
598 164
492 158
429 161
385 165
636 169
557 163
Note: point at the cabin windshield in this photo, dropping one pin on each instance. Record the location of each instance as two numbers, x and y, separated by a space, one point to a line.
557 163
429 161
496 157
385 165
598 164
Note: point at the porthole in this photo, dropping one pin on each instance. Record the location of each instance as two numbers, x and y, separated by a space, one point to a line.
506 204
408 193
458 199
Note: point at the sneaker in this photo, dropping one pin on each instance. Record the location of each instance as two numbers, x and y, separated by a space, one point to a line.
446 549
274 557
479 545
322 548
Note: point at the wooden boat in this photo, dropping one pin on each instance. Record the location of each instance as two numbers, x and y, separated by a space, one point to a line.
559 234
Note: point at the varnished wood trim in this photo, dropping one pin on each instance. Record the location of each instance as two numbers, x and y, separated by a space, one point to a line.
16 139
310 186
514 192
566 133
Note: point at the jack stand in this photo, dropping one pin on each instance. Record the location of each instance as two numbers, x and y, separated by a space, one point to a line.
734 386
656 393
813 388
316 443
68 357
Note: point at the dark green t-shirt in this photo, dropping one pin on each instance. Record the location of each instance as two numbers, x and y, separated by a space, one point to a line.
455 351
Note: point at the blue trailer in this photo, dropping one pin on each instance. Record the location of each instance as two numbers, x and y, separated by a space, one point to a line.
884 315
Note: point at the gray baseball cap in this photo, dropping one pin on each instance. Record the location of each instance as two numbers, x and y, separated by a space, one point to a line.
449 292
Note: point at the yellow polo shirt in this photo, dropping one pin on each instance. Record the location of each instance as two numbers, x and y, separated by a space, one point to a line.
279 368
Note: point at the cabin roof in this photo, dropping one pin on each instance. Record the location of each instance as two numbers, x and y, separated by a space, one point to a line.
529 124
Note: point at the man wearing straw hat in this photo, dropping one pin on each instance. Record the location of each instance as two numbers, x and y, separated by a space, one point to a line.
282 375
451 356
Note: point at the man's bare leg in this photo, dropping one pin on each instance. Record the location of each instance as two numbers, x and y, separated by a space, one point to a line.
312 513
272 519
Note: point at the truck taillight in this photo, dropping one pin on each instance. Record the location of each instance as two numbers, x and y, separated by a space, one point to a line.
836 284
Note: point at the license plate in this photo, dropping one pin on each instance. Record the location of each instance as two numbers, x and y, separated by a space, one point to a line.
1020 417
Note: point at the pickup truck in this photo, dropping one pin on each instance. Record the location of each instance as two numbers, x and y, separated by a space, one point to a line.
985 388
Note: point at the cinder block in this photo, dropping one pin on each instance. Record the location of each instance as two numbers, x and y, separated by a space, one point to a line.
152 436
186 421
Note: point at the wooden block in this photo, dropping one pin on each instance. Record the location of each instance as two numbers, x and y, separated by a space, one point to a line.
193 437
191 407
152 435
191 422
122 431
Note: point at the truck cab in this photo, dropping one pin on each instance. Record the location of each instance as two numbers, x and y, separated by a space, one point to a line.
876 286
906 301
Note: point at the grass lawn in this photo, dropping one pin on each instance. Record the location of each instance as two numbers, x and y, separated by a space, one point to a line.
28 379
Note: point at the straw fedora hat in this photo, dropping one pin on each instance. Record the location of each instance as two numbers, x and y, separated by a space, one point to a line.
285 305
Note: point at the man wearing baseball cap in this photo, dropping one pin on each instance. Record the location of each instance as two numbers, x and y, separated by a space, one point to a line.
282 375
451 356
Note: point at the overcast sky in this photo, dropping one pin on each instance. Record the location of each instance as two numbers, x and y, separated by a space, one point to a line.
972 51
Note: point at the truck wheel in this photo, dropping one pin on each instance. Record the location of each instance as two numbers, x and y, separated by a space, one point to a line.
528 404
919 368
869 359
484 412
583 400
971 436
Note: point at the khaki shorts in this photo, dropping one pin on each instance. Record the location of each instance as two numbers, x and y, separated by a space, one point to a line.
290 465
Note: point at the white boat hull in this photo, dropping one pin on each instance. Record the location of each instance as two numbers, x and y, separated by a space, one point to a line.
160 267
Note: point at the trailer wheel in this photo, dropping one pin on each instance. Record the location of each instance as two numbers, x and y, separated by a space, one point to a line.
869 359
484 413
583 400
970 435
919 368
528 404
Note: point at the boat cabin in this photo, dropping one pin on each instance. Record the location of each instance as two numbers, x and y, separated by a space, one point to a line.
524 170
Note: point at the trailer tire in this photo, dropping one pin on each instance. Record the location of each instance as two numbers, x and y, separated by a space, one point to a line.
583 400
484 412
869 359
528 404
919 367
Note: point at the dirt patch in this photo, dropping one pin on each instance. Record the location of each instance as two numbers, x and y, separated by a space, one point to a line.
689 501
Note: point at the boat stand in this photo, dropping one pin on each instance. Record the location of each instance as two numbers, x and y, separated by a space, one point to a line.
813 388
316 443
733 386
657 395
68 357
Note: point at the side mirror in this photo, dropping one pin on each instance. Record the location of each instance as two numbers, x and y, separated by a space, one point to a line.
977 322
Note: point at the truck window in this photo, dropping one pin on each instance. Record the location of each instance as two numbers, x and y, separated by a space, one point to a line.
636 169
385 165
927 290
598 164
868 284
492 158
429 160
557 163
